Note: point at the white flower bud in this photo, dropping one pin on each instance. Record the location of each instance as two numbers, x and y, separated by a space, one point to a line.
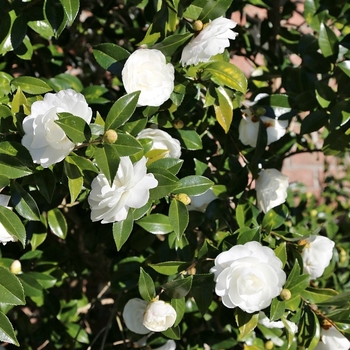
159 316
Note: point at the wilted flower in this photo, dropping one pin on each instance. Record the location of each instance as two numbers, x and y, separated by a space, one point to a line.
130 189
45 140
332 339
159 316
248 276
146 70
200 202
143 317
249 128
5 237
271 189
133 313
211 40
163 144
317 254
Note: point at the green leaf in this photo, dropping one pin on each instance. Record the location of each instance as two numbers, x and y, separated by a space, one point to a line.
277 308
158 224
75 127
178 288
31 287
127 145
57 223
122 230
296 282
55 15
275 217
224 73
345 67
45 280
324 94
312 15
281 252
328 41
66 81
18 30
171 164
107 159
313 122
190 139
169 268
202 291
340 300
75 178
246 322
24 203
178 217
193 185
31 85
170 44
309 330
107 54
12 224
214 9
179 305
224 109
71 8
146 286
173 333
93 94
46 182
318 295
11 289
7 333
121 111
167 183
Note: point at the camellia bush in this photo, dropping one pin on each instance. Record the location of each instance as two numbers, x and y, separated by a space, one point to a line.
143 202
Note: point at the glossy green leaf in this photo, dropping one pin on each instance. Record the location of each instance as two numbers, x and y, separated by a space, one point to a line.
281 252
75 178
71 8
45 280
78 333
341 300
246 322
173 333
313 121
170 44
31 85
66 81
277 308
313 17
223 109
178 217
75 127
179 305
93 94
167 183
107 54
57 223
122 230
24 203
11 290
31 286
275 217
169 268
178 288
214 9
55 15
12 224
318 295
226 74
345 67
18 30
327 41
46 182
127 145
193 185
202 287
158 224
190 139
107 159
324 94
146 285
7 334
122 110
171 164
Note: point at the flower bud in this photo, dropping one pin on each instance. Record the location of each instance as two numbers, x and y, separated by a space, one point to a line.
260 111
285 294
16 267
197 25
313 213
269 345
159 316
184 198
178 124
110 136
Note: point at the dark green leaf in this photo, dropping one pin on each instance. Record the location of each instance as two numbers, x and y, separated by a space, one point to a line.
46 183
71 8
214 9
122 230
202 291
193 185
246 322
11 290
169 268
12 224
107 159
178 288
31 287
327 41
107 54
157 224
313 122
190 139
179 305
178 217
173 333
275 217
170 44
57 223
7 333
146 286
75 127
167 183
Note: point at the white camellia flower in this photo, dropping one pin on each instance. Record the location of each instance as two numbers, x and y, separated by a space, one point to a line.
5 237
200 202
271 189
211 40
249 128
133 313
130 189
317 254
248 276
159 316
45 140
146 70
162 142
332 339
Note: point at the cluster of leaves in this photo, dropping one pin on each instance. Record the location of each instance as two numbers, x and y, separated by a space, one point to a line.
77 275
